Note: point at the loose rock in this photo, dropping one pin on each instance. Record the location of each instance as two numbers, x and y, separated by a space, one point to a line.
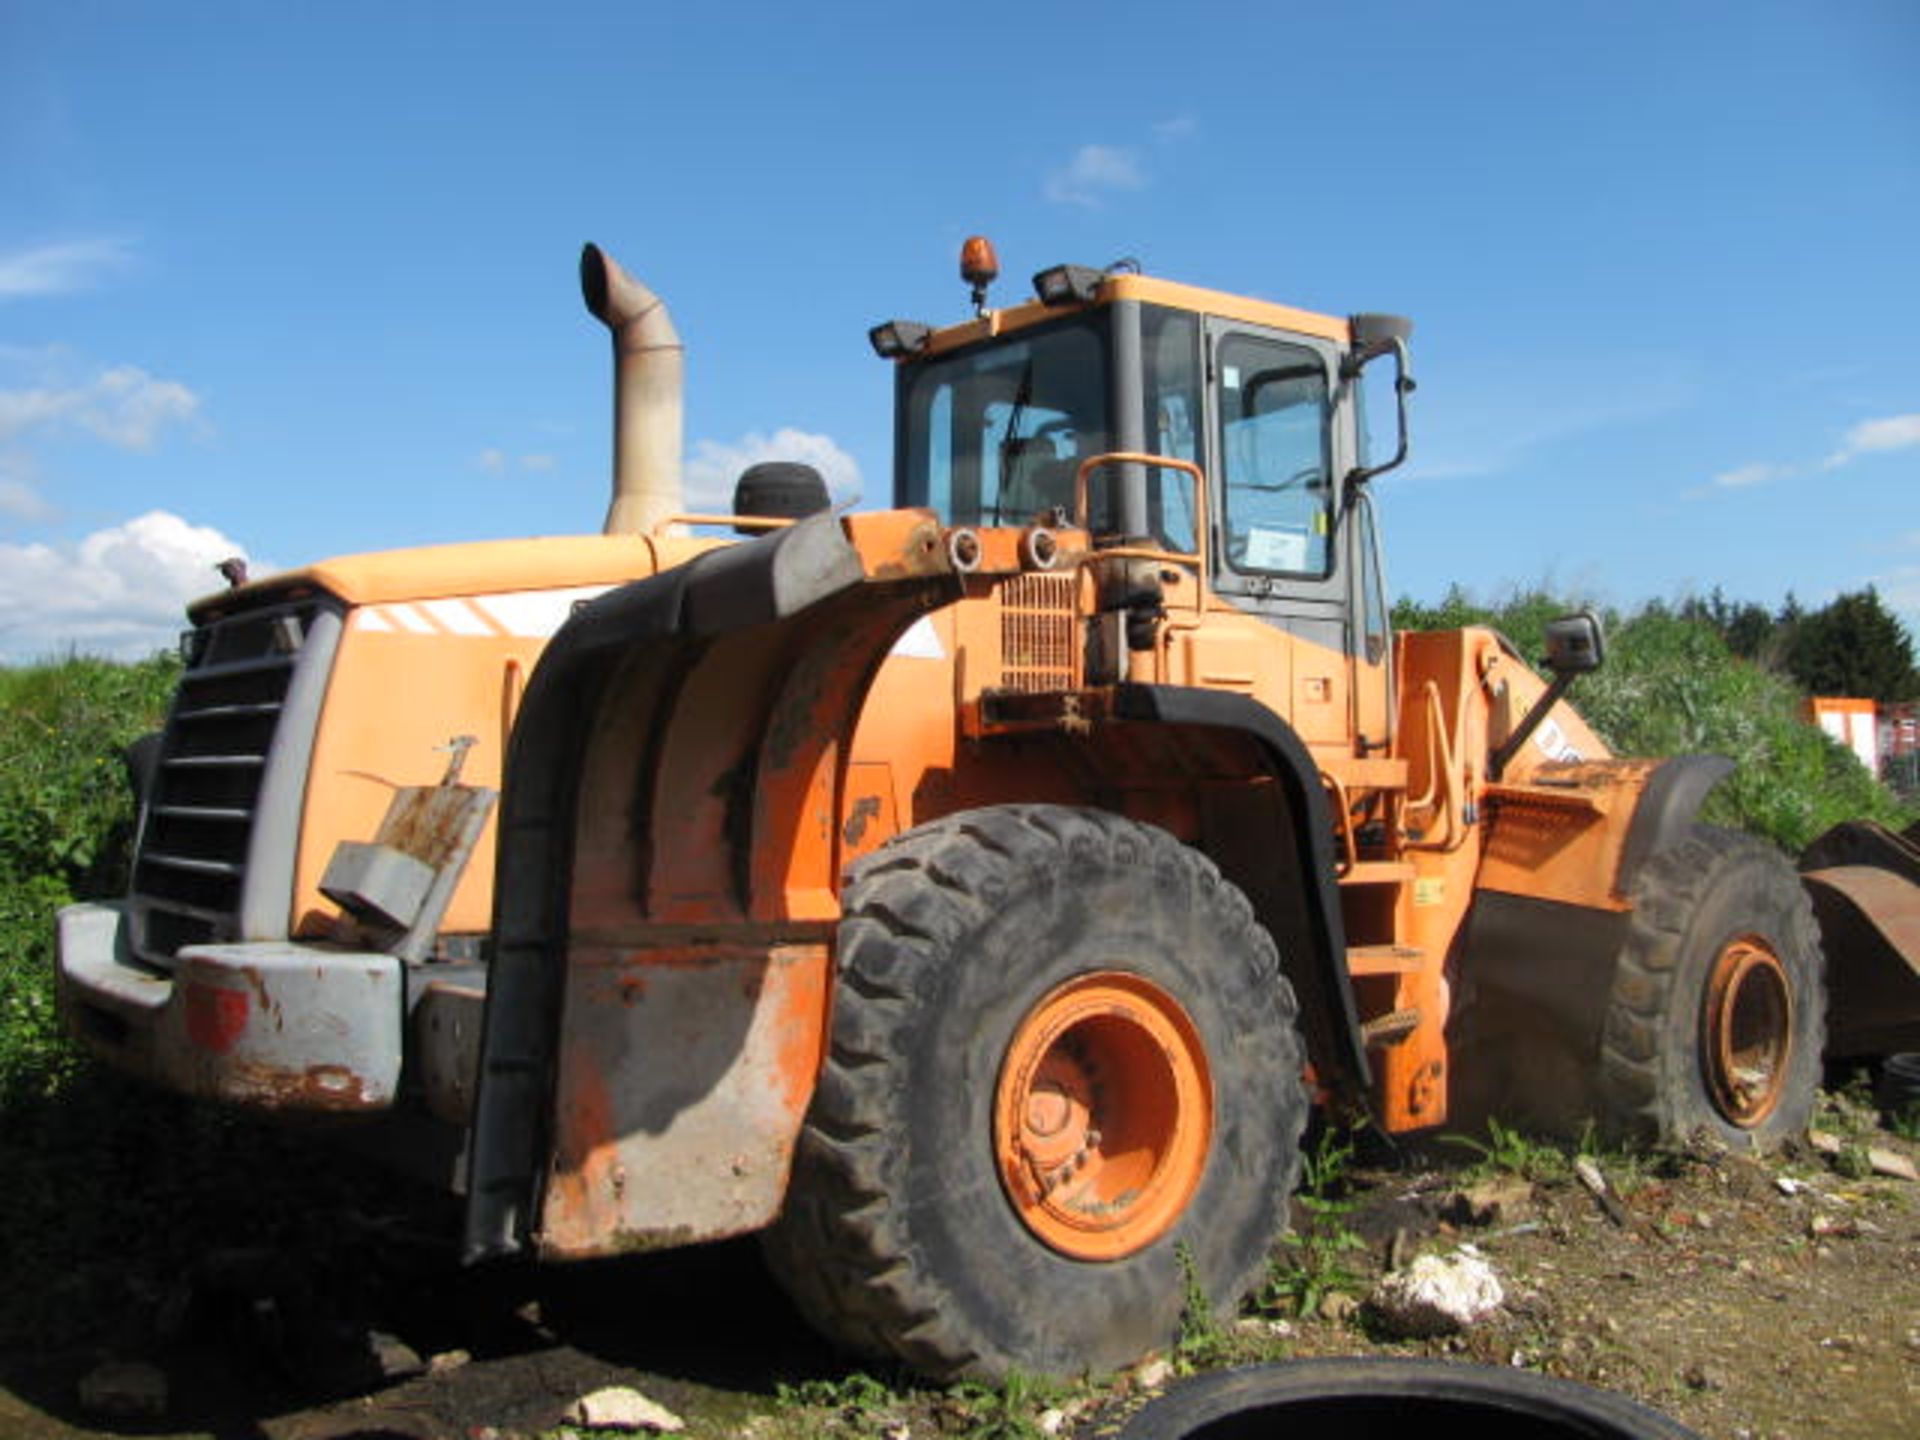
619 1408
1438 1294
1150 1374
1490 1202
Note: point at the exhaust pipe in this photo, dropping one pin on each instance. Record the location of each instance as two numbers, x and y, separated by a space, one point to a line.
648 369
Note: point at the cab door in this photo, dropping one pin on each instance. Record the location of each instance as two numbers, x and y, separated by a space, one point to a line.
1277 463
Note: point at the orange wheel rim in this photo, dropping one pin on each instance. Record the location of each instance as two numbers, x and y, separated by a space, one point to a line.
1103 1115
1747 1040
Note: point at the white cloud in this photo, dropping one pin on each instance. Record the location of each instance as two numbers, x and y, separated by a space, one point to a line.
1756 474
1094 172
1896 432
124 406
498 462
713 466
1869 437
1180 127
20 497
59 269
120 592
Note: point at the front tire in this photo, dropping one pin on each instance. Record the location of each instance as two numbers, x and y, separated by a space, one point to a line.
1063 1068
1717 1016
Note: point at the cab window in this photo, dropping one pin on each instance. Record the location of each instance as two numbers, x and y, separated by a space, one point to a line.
995 434
1277 493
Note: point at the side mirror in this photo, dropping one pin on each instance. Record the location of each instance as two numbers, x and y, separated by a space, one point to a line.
1374 336
1575 645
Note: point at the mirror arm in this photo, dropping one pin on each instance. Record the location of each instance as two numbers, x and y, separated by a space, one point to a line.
1403 386
1528 724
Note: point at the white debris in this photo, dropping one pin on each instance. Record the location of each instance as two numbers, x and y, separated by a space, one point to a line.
1150 1374
1438 1294
619 1408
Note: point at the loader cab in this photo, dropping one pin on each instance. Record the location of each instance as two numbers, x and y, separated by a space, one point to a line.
994 416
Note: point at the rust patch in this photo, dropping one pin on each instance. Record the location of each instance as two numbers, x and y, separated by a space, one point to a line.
865 810
324 1089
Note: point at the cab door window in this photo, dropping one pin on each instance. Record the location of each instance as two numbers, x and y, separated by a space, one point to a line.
1277 491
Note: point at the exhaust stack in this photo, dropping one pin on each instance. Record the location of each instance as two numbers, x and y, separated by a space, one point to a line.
648 369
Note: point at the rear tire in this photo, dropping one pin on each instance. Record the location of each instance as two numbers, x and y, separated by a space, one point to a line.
1717 1016
1063 1066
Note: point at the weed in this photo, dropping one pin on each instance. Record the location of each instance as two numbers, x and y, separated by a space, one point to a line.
1853 1162
1201 1342
856 1396
1507 1151
1010 1410
1316 1254
1905 1121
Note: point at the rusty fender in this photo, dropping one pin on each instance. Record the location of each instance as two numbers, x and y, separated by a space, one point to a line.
668 864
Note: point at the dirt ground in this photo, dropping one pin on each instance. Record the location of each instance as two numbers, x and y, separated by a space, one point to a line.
1743 1297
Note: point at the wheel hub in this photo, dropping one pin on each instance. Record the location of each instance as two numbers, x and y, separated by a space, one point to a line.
1747 1024
1102 1115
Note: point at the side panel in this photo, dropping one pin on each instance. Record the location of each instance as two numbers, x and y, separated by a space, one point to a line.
409 678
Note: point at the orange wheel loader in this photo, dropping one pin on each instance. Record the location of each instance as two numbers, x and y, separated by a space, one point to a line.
972 897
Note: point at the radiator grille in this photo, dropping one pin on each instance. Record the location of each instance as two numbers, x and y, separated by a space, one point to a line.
190 867
1037 633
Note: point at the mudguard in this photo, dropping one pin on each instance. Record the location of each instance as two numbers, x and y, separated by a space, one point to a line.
666 822
1327 1013
1864 881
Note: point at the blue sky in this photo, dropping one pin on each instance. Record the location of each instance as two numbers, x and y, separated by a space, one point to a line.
298 280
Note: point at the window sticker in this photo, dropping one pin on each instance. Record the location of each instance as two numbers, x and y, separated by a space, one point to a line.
1230 377
1277 547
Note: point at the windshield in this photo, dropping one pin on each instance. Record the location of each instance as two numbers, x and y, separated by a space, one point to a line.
994 435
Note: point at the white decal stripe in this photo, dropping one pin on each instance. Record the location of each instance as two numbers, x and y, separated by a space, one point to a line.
535 612
920 641
409 619
369 618
458 616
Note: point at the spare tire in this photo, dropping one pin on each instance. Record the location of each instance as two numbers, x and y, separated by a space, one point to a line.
780 490
1380 1395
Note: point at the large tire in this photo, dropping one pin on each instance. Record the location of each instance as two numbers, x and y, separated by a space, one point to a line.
1063 1071
1392 1394
1717 1016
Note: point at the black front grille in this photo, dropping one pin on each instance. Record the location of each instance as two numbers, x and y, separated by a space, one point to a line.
191 864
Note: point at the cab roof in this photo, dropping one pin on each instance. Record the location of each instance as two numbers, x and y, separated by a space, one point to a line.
1150 291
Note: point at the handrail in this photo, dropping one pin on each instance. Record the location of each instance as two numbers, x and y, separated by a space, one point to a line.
1345 827
1439 744
1195 558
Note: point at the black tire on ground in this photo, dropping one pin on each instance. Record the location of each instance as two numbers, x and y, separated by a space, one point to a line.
1717 1016
963 941
1381 1395
1897 1087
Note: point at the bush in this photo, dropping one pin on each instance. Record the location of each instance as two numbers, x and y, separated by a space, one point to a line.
1671 686
113 1188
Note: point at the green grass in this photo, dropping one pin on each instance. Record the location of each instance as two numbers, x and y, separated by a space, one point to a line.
1507 1151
